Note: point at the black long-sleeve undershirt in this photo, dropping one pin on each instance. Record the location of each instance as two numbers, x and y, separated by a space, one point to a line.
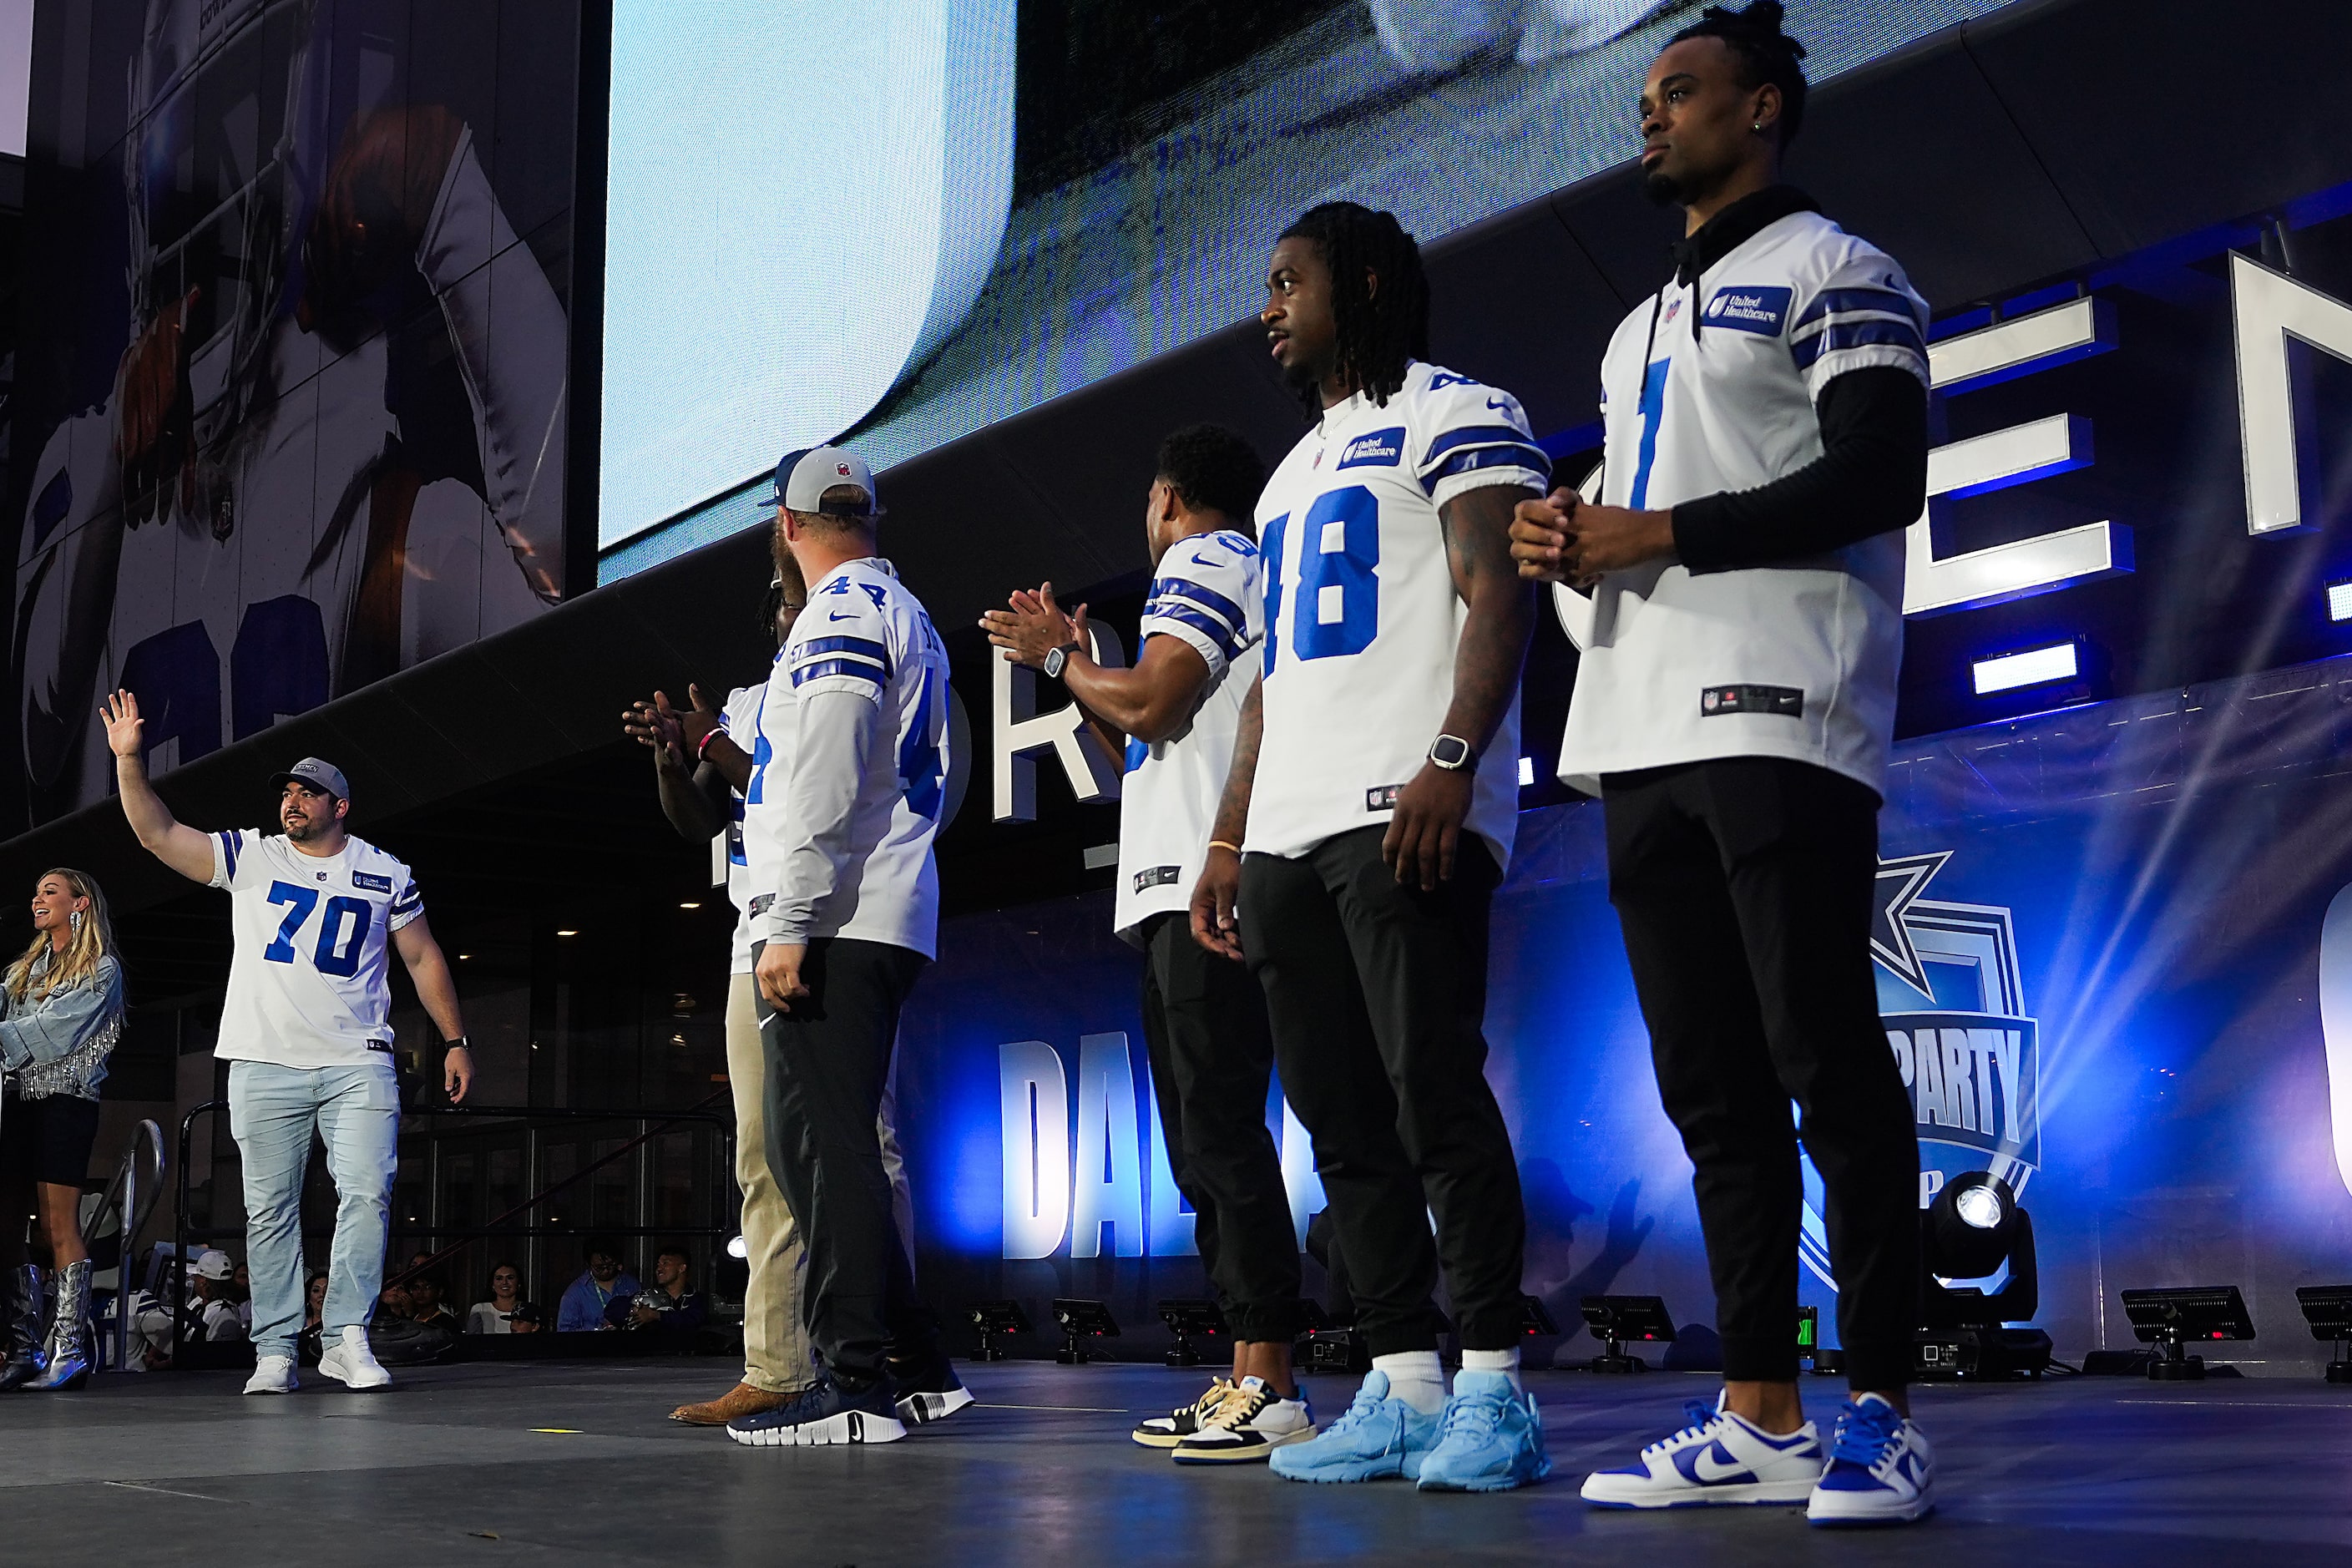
1871 478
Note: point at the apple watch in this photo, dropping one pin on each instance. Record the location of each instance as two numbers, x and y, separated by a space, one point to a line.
1058 659
1453 754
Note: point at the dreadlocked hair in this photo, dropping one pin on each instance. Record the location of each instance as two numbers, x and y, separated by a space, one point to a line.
1765 54
1381 331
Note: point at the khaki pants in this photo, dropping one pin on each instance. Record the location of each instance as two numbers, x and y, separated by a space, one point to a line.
776 1356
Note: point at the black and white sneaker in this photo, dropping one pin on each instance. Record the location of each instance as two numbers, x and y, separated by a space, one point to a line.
825 1415
929 1391
1252 1422
1167 1431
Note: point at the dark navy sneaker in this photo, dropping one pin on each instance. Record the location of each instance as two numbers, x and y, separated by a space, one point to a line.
825 1414
929 1390
1882 1469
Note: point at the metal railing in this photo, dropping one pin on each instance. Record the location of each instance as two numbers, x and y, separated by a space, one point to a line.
534 1119
133 1203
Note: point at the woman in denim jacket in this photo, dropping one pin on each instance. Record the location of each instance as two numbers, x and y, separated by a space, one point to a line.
60 1016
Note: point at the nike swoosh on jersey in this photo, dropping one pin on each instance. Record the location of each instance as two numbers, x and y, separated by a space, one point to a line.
838 615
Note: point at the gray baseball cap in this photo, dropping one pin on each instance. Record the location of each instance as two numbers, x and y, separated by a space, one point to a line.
318 774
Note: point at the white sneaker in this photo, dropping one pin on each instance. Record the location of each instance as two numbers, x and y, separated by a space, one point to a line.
1718 1458
1250 1423
1167 1431
352 1364
272 1374
1882 1469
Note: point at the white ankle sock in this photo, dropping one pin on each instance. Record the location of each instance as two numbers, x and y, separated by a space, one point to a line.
1504 1361
1415 1378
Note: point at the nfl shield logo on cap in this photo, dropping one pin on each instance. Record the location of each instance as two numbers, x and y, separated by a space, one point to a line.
802 487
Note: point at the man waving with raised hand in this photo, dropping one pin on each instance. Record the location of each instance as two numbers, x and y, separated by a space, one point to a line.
306 1032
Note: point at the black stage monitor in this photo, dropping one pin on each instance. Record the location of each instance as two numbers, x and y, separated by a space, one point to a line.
1081 1320
2171 1320
1617 1319
2328 1309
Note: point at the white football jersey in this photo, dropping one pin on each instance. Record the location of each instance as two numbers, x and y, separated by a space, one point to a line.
740 719
307 987
1206 594
1711 390
864 633
1362 613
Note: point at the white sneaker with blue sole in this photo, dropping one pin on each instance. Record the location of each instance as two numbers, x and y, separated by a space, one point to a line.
1882 1469
1490 1438
1718 1460
1379 1437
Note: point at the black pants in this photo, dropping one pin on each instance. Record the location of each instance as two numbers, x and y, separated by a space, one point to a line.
828 1059
1378 995
1212 1061
1744 888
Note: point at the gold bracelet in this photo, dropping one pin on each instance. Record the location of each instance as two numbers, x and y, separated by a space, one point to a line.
1221 844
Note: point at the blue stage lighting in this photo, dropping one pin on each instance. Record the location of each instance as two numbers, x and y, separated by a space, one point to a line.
2339 600
2033 667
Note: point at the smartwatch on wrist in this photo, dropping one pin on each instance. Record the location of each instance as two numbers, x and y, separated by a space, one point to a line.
1058 659
457 1044
1453 754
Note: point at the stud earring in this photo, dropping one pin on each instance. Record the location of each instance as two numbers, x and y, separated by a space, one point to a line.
1757 127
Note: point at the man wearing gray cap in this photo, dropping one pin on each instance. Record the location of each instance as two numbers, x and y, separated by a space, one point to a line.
306 1032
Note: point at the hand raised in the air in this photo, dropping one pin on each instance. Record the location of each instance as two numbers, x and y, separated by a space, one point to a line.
124 728
655 725
1034 626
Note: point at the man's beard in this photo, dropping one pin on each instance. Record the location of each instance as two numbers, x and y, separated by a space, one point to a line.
1660 188
304 831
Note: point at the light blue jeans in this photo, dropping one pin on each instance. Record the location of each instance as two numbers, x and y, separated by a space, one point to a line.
272 1110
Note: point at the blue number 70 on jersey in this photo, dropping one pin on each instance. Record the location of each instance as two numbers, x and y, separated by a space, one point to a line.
337 952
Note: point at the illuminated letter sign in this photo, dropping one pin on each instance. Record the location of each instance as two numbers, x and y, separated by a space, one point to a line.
2268 307
1020 731
1108 1187
1036 1123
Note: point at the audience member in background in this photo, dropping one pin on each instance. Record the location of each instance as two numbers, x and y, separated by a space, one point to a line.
497 1315
243 1296
667 1305
530 1319
426 1305
207 1317
394 1301
314 1303
60 1015
582 1309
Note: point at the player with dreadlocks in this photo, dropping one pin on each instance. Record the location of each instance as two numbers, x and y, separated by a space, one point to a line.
1766 447
1365 824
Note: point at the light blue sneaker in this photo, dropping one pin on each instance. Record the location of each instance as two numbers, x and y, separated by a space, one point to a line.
1377 1438
1490 1438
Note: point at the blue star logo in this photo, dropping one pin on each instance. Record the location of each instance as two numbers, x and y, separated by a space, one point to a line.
1900 882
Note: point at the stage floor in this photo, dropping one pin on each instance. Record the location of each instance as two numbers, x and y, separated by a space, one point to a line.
572 1463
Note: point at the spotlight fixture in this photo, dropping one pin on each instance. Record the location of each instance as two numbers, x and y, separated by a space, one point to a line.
1080 1321
735 1247
1972 1230
2339 600
690 904
2169 1320
1187 1319
567 933
2328 1309
1536 1320
997 1321
1526 772
1616 1320
2029 667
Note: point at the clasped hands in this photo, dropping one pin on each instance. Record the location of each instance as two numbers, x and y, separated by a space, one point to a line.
1565 539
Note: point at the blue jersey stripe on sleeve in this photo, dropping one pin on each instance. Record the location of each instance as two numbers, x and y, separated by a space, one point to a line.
1833 301
864 647
804 673
1207 598
1858 334
232 845
1517 457
1227 643
1473 436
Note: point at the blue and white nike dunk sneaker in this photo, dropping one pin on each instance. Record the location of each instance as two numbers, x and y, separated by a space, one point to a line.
1882 1469
1490 1439
1378 1436
1718 1458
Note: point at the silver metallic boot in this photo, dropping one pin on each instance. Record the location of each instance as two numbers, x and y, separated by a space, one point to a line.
23 1307
70 1350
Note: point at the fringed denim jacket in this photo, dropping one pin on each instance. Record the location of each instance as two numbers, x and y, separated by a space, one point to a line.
58 1044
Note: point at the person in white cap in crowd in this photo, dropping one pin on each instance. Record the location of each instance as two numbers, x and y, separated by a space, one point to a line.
209 1316
306 1032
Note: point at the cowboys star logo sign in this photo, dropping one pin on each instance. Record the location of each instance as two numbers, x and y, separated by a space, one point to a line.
1954 1010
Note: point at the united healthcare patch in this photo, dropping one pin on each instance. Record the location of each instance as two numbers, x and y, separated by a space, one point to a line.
1758 309
1380 448
371 882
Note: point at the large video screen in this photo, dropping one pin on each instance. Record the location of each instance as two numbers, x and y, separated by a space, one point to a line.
900 220
290 404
